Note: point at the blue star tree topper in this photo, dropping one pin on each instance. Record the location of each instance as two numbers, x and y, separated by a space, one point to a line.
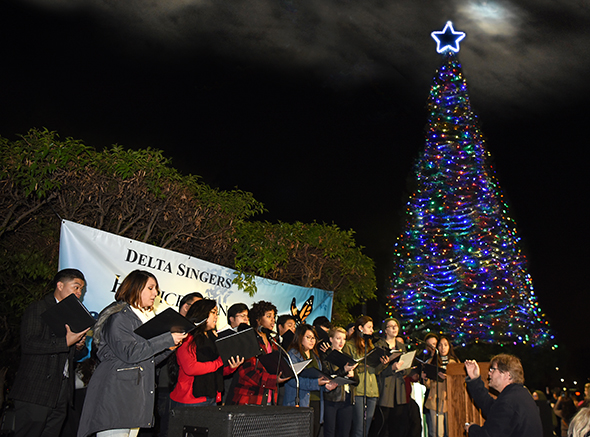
447 39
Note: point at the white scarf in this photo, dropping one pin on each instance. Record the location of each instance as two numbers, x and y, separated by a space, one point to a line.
144 315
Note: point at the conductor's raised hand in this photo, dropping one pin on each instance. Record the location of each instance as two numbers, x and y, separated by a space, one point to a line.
472 369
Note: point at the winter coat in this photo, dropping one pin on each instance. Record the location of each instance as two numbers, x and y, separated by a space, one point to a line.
339 393
44 357
359 372
121 392
392 386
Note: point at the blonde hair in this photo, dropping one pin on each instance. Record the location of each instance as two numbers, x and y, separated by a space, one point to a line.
336 329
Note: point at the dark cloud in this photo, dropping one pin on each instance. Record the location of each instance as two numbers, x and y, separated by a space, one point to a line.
531 51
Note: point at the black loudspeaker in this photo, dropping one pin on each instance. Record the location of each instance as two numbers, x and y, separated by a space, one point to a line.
241 421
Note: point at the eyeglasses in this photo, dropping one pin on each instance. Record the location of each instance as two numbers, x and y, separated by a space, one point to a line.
310 337
493 369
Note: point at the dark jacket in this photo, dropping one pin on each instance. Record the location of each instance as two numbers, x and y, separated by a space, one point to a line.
43 358
339 393
121 391
513 414
392 386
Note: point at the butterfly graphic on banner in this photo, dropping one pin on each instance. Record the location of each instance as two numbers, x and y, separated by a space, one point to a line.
304 312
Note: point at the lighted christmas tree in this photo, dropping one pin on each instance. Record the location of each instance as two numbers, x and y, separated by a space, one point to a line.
458 266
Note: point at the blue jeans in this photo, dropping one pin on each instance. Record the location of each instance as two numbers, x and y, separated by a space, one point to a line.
428 422
206 403
357 415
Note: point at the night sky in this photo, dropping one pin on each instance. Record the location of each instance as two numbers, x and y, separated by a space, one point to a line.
318 108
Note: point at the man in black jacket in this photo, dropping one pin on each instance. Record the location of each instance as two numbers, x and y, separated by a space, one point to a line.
514 413
44 382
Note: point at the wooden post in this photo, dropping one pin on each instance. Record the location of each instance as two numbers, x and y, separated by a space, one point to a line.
461 408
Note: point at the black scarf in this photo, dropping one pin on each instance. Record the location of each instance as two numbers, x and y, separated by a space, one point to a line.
210 383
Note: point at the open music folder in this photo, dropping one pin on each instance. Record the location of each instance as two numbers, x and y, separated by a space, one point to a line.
312 372
406 360
271 363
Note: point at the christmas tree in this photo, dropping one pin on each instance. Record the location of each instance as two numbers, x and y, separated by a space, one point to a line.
458 266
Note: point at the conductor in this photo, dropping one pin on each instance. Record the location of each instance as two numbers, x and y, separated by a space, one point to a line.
514 413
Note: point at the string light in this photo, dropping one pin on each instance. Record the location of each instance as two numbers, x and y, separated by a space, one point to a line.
458 266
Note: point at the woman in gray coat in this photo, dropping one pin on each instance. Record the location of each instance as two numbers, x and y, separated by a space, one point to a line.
120 395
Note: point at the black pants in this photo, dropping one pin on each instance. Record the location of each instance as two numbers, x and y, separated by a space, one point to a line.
316 405
401 421
34 420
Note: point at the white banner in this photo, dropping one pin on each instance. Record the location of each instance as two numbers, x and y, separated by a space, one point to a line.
105 259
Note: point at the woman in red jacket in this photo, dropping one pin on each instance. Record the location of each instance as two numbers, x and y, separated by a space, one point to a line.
198 366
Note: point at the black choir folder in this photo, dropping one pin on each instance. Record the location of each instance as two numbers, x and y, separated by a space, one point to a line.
431 370
168 320
243 344
68 311
313 373
373 357
339 359
273 365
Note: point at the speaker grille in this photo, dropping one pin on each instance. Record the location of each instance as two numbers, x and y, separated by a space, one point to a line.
241 421
257 425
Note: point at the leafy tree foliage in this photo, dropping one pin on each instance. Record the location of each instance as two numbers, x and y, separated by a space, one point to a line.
138 194
311 255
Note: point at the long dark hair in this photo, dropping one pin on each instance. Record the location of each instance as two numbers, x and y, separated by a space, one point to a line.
357 337
300 335
198 312
451 354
